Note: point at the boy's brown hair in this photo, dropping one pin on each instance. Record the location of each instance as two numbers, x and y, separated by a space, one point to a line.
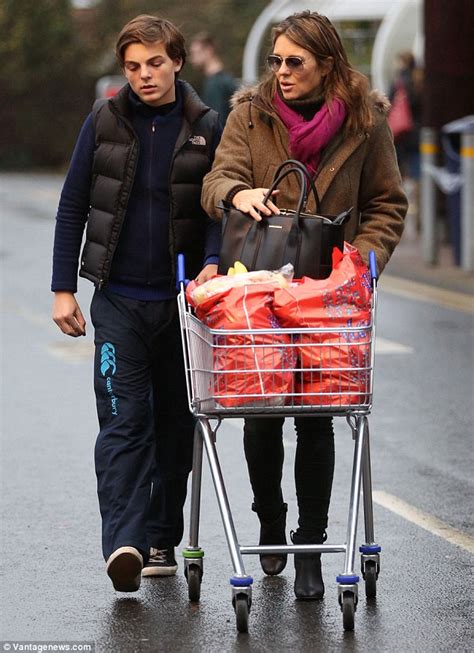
148 29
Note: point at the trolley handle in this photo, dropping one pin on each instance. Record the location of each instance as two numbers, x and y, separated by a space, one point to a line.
373 266
181 280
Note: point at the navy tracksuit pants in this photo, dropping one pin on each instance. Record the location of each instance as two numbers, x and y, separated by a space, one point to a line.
143 453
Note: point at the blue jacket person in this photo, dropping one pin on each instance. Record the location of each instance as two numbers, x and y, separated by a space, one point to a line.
134 186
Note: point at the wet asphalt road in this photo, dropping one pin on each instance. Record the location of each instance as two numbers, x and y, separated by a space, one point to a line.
54 586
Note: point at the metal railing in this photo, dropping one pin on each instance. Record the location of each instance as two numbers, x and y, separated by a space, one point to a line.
433 176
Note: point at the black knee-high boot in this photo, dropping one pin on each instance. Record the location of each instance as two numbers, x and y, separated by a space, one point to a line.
273 532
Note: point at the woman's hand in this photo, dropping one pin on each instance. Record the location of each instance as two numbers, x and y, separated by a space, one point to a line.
206 273
251 201
68 315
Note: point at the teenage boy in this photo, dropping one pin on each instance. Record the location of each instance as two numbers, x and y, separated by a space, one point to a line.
135 180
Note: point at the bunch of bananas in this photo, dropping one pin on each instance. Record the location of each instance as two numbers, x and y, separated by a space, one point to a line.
239 268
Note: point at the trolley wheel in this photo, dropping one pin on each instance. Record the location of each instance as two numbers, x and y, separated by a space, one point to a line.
348 610
370 576
241 607
194 577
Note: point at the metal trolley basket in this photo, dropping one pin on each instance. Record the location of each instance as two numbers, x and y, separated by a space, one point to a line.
332 374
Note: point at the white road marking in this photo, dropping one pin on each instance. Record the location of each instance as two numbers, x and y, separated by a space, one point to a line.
69 349
38 319
72 351
384 346
77 351
47 193
424 520
65 350
423 292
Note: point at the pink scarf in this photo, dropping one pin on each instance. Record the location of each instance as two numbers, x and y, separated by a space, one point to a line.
309 138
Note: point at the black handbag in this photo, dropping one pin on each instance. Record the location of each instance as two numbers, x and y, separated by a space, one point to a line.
296 237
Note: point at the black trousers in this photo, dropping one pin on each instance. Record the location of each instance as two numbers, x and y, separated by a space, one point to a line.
143 453
314 468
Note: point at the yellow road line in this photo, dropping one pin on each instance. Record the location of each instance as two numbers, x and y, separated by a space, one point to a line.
424 520
423 292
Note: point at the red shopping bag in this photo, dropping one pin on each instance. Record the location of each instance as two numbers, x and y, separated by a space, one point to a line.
249 369
345 295
334 364
334 372
253 370
241 307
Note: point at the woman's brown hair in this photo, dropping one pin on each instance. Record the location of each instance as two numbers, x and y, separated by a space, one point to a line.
151 29
317 34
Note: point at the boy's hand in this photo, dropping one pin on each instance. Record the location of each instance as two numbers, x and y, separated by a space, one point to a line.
206 273
67 314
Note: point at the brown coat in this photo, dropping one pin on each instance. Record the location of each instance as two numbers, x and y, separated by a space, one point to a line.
358 170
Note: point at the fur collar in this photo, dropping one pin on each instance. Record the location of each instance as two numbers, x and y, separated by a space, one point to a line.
244 94
380 101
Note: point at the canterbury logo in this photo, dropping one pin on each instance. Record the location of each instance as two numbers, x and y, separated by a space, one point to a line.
197 140
107 359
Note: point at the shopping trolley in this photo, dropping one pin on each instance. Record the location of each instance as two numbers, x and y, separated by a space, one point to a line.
332 374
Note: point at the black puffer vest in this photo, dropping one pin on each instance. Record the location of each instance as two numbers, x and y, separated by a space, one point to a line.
114 165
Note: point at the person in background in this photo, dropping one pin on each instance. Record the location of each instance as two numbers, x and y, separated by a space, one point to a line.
218 86
313 107
135 182
409 77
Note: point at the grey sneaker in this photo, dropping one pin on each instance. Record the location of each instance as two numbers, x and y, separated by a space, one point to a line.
160 563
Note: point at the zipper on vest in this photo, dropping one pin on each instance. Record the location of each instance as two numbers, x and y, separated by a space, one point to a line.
131 166
150 204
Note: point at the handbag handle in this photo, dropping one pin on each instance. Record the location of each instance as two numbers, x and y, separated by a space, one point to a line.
293 242
309 179
304 176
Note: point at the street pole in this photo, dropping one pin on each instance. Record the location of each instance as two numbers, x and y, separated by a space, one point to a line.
429 235
467 202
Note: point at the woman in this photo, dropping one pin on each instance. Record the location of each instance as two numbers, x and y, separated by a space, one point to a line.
313 107
408 83
409 78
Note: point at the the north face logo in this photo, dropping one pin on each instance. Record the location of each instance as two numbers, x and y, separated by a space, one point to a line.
107 359
197 140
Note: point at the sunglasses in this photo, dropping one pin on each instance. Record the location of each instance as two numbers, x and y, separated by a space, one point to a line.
274 62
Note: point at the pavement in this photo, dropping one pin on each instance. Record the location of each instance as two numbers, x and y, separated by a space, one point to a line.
54 587
407 263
